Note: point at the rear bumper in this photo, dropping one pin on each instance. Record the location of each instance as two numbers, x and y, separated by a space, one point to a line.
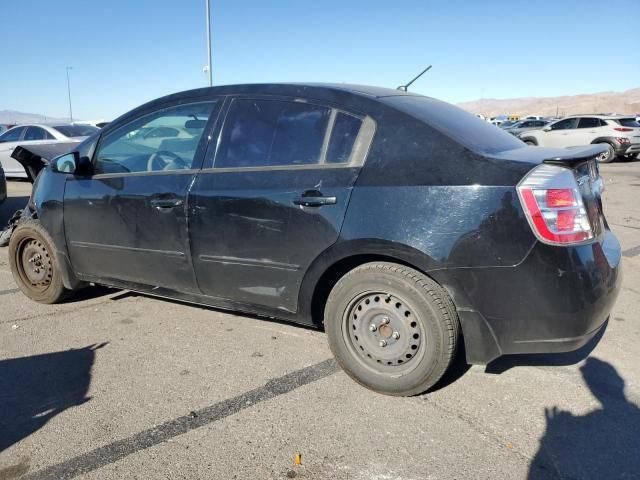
555 300
632 149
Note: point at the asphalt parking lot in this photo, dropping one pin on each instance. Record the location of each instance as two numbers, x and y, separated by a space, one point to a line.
113 384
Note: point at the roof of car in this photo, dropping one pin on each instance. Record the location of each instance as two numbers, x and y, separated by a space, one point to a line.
364 90
44 125
604 116
335 92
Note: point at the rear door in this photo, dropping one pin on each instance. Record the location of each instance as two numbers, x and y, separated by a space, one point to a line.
589 128
273 197
128 222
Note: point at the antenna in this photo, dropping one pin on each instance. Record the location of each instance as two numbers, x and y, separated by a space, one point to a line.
404 88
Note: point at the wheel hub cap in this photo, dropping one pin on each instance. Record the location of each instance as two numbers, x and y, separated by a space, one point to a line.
383 329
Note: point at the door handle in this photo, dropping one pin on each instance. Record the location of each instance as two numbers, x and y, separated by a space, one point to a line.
166 203
319 201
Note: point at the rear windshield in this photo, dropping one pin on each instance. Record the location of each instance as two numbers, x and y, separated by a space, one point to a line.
76 130
463 127
628 122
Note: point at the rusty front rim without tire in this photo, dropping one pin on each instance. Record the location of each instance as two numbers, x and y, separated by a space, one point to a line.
34 265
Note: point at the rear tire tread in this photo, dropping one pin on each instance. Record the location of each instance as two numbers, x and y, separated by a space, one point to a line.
439 297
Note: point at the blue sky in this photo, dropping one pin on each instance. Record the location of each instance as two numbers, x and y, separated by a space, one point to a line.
125 52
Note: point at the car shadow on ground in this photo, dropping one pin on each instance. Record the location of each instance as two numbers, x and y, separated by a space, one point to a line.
604 443
35 389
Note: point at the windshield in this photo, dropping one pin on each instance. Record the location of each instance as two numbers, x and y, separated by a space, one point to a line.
76 130
463 127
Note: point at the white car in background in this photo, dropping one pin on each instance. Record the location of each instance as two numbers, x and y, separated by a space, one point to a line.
37 134
620 133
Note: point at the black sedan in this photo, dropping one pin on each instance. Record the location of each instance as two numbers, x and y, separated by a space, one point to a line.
399 223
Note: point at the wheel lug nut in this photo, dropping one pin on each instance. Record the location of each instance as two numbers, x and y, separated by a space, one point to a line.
372 327
395 335
383 343
385 320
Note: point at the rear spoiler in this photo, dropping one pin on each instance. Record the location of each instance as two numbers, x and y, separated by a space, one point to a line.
35 157
577 155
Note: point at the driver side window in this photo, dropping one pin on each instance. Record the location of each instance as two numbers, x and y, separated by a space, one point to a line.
566 124
165 140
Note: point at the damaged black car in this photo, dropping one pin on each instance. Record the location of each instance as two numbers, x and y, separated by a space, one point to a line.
400 224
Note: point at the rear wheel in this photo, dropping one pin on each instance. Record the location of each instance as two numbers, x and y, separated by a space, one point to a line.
391 328
33 263
608 156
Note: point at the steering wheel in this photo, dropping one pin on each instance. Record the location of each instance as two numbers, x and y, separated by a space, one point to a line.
158 161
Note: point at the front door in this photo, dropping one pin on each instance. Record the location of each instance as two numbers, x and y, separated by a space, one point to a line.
274 198
561 133
128 221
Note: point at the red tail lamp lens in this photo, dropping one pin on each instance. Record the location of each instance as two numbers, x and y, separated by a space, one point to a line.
560 197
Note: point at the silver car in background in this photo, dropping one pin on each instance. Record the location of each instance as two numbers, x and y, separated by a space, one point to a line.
37 134
525 125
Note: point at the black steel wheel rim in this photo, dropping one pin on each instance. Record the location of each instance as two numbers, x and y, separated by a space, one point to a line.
35 267
383 333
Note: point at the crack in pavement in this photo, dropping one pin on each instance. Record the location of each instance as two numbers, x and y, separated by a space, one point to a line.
120 449
57 312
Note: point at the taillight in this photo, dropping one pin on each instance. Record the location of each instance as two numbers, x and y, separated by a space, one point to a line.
623 129
623 140
554 206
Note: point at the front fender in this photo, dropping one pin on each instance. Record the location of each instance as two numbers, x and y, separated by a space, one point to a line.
47 204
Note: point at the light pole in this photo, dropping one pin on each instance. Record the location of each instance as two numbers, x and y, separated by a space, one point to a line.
69 94
209 73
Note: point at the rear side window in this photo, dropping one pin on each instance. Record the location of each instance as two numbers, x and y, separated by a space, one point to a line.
463 127
628 122
589 122
37 133
343 136
267 133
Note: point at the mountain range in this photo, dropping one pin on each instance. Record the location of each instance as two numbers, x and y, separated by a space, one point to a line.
627 102
11 117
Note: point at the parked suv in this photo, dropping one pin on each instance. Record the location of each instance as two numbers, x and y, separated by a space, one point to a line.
620 134
399 223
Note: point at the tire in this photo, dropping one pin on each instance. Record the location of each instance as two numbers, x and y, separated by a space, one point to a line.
34 265
530 143
397 300
608 156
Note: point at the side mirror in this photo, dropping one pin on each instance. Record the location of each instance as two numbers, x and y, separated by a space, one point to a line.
67 163
546 129
72 163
